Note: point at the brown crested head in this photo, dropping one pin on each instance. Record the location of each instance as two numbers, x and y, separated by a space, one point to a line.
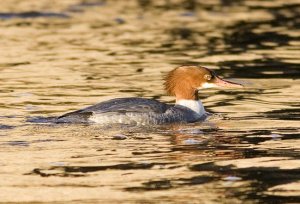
185 81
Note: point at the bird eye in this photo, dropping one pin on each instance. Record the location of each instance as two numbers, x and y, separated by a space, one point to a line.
207 77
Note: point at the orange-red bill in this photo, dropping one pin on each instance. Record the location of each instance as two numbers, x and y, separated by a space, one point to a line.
224 83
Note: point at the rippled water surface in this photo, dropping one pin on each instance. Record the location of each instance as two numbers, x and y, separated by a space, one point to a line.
59 56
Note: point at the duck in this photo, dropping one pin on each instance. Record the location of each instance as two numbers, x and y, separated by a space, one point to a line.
183 82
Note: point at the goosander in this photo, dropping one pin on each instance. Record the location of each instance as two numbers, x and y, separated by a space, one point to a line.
182 82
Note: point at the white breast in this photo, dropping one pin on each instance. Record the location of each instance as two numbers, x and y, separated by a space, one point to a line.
194 105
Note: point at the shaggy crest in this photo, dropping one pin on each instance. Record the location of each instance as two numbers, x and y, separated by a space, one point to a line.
184 81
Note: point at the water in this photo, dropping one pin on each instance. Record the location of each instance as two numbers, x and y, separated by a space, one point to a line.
59 56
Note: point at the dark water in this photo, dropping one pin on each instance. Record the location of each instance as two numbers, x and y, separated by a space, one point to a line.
58 56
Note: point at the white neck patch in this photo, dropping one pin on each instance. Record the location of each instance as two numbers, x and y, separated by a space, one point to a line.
194 105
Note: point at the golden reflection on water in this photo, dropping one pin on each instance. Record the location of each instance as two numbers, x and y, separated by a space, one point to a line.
72 53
